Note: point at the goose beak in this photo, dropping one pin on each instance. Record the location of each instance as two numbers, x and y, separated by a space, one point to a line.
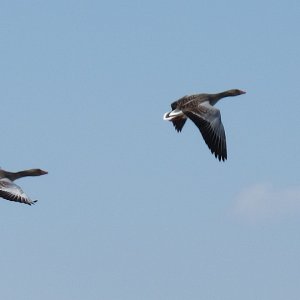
44 172
243 92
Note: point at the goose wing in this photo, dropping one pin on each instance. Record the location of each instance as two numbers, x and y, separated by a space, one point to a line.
208 119
12 192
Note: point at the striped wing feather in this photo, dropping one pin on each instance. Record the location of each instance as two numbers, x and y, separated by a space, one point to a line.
208 121
12 192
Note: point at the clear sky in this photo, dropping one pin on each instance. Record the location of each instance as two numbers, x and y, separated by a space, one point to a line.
130 209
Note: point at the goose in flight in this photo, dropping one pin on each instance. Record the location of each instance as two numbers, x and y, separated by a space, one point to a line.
11 191
200 110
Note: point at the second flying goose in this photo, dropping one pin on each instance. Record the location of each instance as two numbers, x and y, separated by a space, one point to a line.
200 109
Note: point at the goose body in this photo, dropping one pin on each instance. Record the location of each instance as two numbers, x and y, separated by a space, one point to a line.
199 108
11 191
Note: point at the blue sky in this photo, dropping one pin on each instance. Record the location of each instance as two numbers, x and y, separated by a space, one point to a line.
130 208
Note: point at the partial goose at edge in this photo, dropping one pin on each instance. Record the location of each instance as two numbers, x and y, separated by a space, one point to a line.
11 191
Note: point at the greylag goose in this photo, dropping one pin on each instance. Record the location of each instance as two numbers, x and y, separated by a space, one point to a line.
200 109
11 191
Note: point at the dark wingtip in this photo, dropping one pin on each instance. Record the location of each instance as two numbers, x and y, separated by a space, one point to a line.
219 157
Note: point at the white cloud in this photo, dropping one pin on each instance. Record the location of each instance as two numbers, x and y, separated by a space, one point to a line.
264 201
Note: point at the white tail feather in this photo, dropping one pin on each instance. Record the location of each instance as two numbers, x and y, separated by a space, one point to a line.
173 114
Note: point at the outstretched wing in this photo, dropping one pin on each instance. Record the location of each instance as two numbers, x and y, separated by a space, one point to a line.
12 192
208 119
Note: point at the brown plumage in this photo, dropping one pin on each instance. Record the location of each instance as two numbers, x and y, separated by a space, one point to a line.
11 191
199 109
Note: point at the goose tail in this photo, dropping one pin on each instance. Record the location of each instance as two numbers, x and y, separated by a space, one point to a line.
169 116
177 117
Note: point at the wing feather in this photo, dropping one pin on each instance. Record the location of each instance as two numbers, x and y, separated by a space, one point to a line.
12 192
208 120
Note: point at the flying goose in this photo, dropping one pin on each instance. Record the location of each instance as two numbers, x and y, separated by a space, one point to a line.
200 109
11 191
